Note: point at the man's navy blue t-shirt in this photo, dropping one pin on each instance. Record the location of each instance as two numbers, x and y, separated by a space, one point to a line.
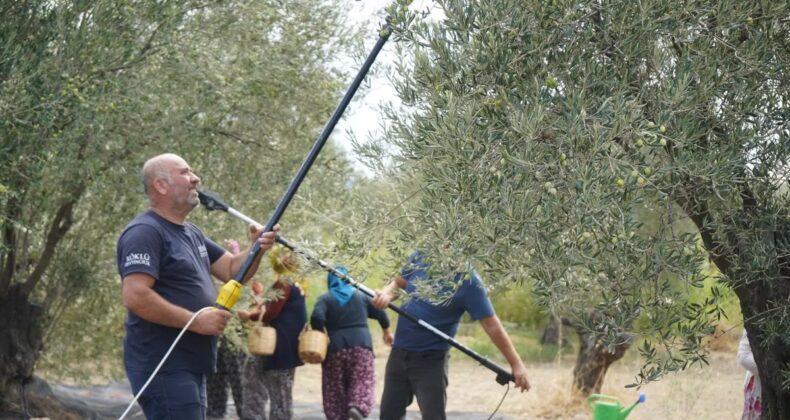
179 258
470 297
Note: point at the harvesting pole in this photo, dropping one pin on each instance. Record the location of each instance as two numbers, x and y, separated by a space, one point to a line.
213 202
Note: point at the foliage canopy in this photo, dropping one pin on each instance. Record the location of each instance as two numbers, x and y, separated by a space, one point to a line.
537 137
90 89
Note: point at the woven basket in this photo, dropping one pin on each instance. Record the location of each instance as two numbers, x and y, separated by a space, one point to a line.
313 345
262 340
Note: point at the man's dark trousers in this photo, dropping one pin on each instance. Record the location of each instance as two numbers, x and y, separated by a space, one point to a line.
421 374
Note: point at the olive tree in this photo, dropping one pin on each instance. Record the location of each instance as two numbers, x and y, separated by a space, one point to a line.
88 91
535 136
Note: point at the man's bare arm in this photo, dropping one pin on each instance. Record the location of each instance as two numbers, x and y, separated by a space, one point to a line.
496 332
140 298
386 294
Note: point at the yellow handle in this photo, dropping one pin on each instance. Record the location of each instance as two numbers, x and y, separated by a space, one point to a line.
228 295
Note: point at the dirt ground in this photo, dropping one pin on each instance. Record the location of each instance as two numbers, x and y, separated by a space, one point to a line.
712 392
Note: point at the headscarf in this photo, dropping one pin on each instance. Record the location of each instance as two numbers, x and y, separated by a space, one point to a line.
341 290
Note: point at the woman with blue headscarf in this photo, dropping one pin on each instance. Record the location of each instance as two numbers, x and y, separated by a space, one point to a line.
348 374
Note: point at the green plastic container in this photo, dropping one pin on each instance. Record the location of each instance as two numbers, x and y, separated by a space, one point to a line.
605 407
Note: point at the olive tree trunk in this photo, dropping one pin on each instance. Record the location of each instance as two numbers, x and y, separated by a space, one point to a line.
20 339
772 356
595 357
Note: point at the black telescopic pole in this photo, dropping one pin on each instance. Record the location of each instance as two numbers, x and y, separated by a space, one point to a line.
319 144
213 202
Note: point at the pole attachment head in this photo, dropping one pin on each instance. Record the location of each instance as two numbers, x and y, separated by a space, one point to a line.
212 200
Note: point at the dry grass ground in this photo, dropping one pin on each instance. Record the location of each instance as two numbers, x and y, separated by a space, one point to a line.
712 392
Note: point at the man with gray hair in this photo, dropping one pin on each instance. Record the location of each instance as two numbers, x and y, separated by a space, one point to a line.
166 264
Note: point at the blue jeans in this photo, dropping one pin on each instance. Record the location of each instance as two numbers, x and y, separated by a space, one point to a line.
171 395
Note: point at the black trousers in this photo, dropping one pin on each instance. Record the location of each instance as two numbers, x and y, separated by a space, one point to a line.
420 374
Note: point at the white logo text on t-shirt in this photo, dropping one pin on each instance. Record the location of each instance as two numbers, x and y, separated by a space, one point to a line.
137 258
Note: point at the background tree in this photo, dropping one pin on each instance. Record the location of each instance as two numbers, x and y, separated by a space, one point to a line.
534 134
89 90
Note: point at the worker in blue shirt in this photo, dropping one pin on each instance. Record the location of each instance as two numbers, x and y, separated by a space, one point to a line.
417 365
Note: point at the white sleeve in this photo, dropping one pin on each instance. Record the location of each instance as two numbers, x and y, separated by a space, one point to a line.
745 357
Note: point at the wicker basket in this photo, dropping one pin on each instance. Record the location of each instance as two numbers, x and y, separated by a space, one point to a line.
262 340
313 345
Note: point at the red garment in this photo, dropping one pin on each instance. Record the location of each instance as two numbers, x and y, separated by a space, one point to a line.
273 308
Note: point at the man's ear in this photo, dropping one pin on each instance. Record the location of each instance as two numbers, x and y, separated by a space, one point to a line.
161 186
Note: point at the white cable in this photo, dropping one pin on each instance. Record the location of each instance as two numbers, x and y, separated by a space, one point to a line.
172 346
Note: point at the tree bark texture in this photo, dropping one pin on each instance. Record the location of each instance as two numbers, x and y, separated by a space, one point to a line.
594 359
764 293
20 339
772 356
